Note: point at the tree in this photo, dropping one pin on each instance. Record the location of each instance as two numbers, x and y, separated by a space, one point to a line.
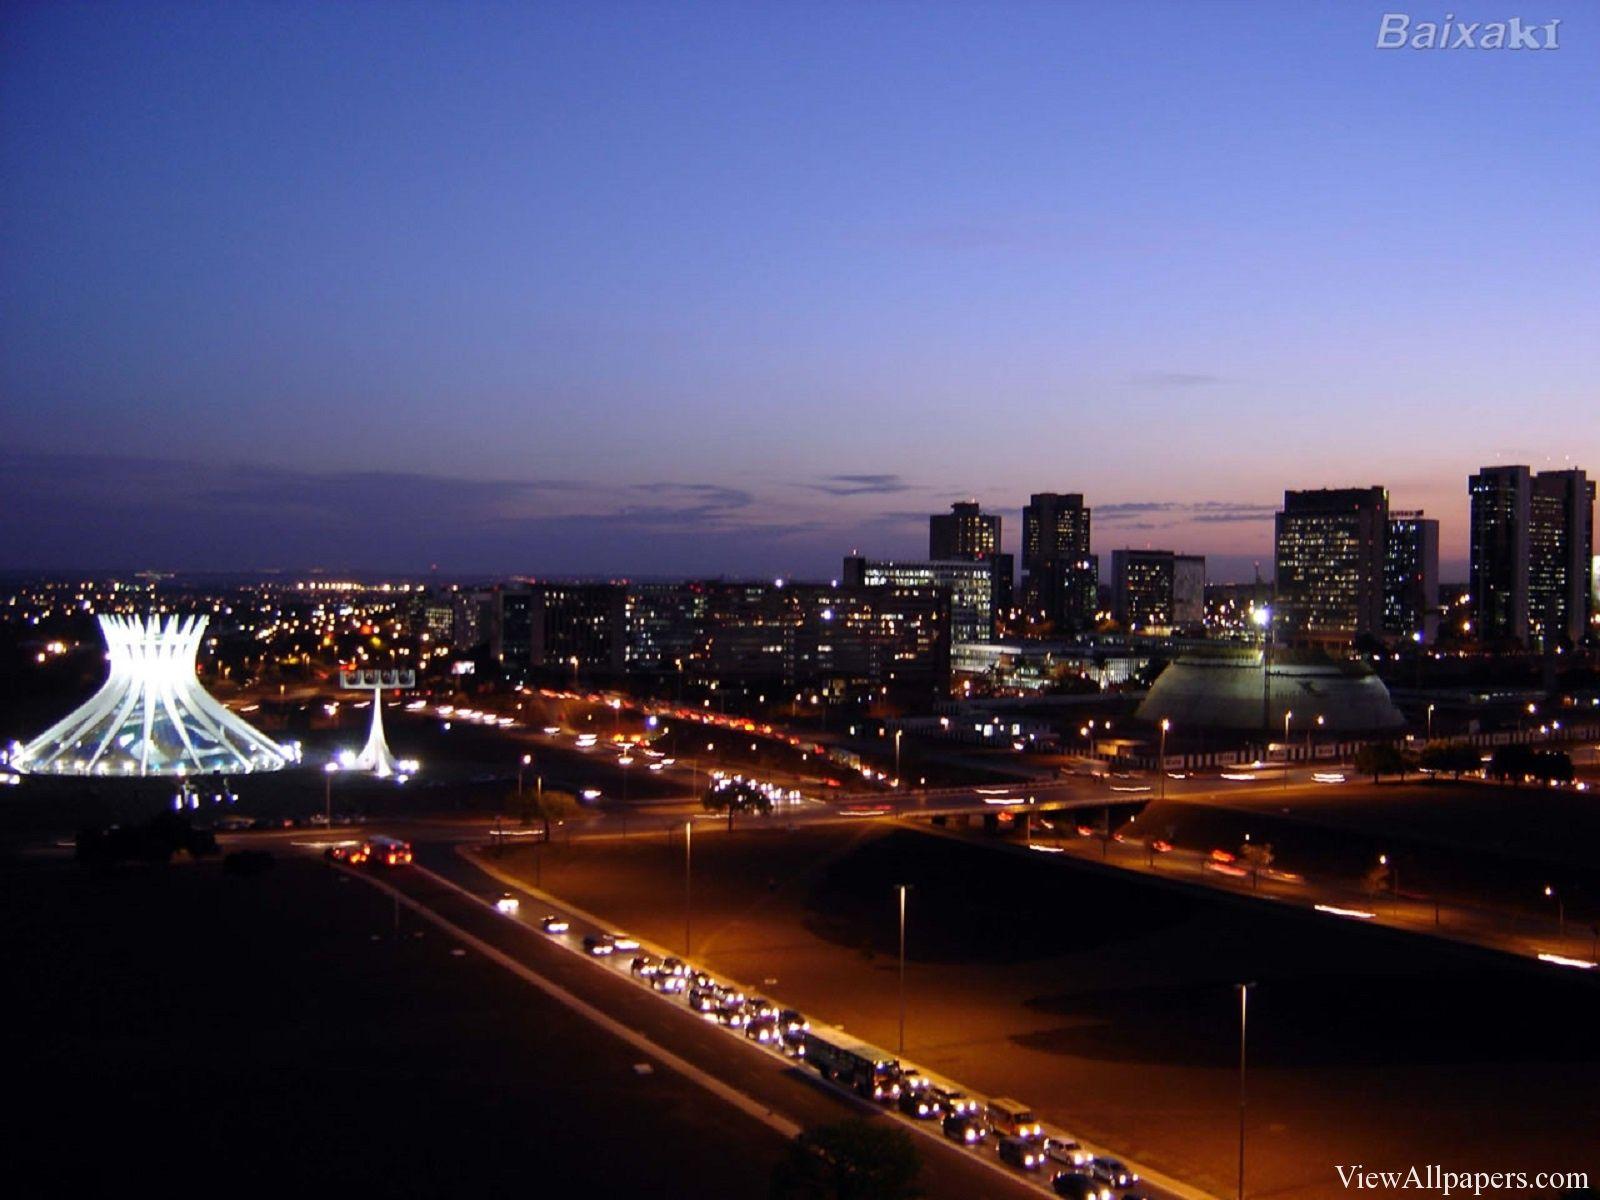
736 795
854 1159
1257 856
1450 758
1513 763
1381 758
545 806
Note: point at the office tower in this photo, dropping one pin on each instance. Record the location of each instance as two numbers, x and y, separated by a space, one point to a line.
579 627
1330 559
1532 554
842 640
1157 591
1560 556
1411 577
1502 500
965 532
1061 578
979 591
511 635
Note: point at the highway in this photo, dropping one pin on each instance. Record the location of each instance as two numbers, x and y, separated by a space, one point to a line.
765 1082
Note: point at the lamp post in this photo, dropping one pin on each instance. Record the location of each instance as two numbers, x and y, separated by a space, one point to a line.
1561 908
1286 716
1161 763
329 770
1244 1003
902 1049
1430 722
897 734
688 876
527 760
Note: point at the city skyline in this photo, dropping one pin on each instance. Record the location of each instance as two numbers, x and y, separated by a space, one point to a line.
603 291
117 513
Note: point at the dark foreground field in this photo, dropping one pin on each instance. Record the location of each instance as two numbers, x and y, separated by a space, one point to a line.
1108 1003
178 1031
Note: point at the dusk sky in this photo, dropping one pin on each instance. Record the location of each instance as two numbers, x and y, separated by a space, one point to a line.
672 289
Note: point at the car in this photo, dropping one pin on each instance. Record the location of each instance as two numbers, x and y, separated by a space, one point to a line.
1077 1186
733 1018
763 1030
337 853
673 966
554 924
663 981
233 824
703 1000
793 1022
1021 1152
623 941
646 966
967 1130
920 1103
1112 1171
597 945
958 1103
507 904
1066 1151
760 1007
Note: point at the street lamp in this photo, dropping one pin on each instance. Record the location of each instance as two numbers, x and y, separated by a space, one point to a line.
527 760
1161 763
329 770
1561 908
1430 722
688 876
902 888
1288 714
897 735
1244 1003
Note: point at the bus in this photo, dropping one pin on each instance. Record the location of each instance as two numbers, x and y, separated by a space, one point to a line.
381 851
855 1064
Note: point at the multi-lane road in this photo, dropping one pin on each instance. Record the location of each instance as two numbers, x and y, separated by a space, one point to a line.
762 1082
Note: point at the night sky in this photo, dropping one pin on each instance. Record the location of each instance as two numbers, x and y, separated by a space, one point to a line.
665 289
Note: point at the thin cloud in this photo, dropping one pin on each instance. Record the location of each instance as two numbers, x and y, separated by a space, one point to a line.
860 485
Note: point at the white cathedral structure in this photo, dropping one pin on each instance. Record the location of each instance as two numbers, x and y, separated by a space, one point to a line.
151 716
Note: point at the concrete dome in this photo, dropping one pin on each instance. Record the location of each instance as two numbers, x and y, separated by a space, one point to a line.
1224 689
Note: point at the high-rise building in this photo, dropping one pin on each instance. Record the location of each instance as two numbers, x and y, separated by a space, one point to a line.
511 634
1330 560
579 627
1061 578
663 622
979 591
840 639
965 532
1502 501
1411 577
1157 591
1561 556
1532 554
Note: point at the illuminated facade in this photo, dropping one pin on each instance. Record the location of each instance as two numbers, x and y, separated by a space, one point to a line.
966 531
151 716
1330 563
1411 577
1157 591
977 591
1532 554
1061 578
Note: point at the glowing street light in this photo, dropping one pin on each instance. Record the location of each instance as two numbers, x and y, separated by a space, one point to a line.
1161 763
1286 717
1561 908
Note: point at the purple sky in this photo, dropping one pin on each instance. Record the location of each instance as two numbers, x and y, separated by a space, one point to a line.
669 289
